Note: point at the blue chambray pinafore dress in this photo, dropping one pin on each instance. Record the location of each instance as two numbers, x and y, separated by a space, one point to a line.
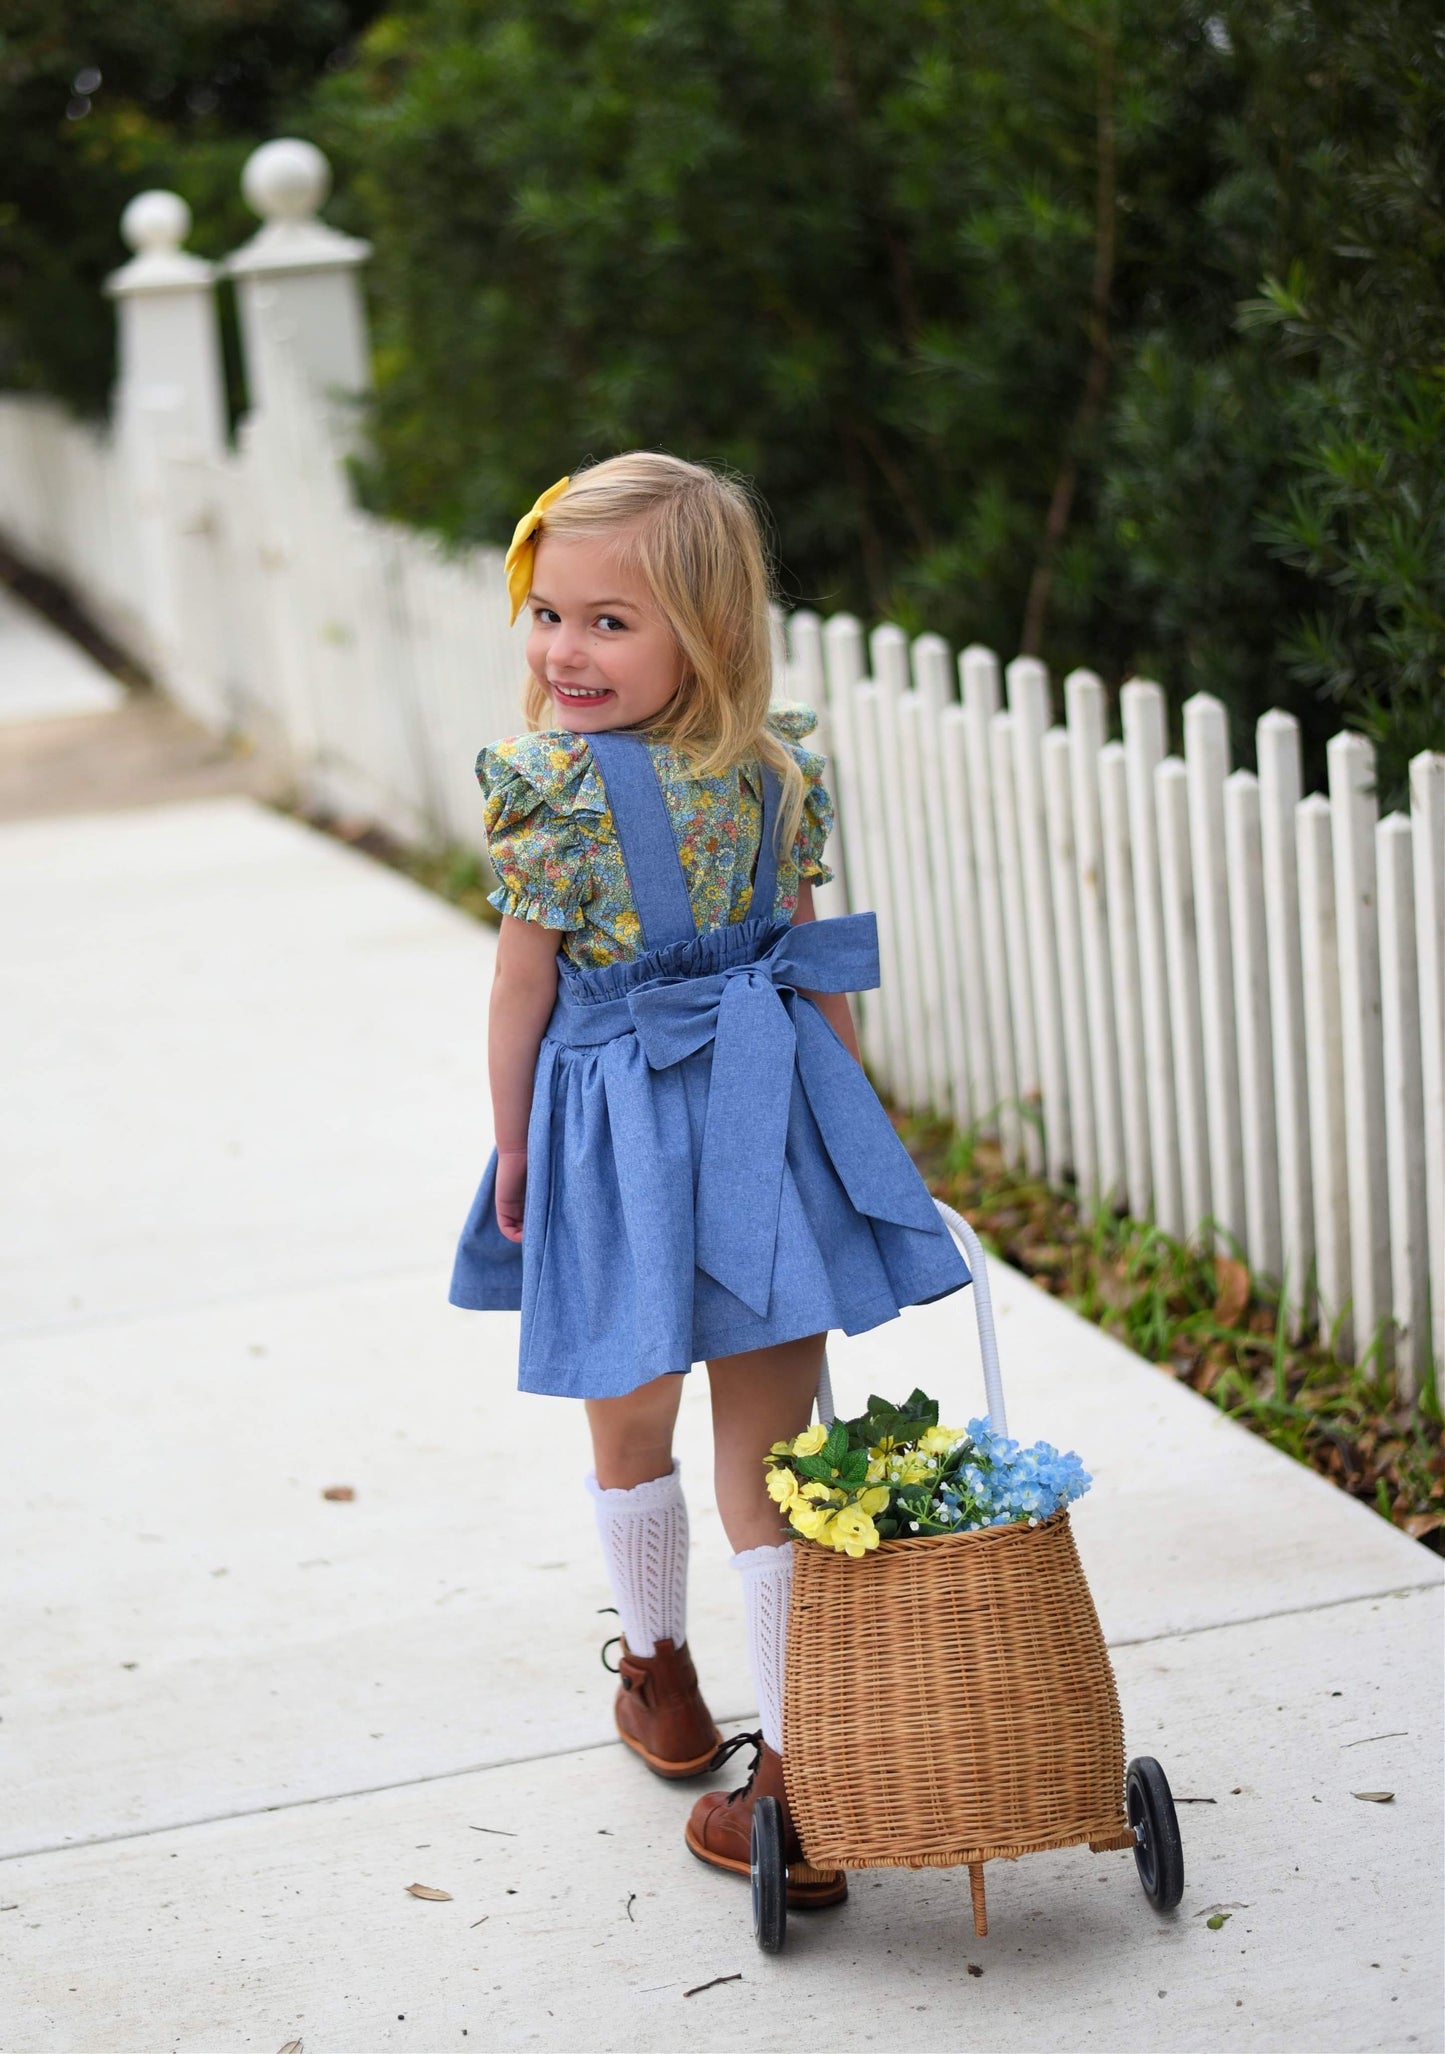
708 1169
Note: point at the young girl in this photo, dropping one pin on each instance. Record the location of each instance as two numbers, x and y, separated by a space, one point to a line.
690 1164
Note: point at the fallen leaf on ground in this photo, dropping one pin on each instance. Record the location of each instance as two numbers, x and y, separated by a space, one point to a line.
1218 1920
339 1493
974 1969
1374 1796
425 1890
1233 1280
292 2047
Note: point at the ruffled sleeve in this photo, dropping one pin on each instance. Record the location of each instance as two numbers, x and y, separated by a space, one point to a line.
543 796
792 721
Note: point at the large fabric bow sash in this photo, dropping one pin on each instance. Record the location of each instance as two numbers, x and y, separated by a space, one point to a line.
758 1038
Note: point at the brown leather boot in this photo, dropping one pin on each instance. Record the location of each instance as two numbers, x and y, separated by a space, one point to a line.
720 1828
660 1712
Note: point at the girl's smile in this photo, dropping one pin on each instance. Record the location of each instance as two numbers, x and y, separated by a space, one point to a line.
598 642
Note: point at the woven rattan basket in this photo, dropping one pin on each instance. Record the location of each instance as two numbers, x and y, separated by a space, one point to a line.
951 1700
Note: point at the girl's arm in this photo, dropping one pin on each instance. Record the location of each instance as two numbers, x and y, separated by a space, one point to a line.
833 1005
524 990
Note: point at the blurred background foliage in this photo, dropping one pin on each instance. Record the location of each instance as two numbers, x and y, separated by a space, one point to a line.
1108 329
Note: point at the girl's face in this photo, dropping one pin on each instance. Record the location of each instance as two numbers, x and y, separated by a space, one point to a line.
598 643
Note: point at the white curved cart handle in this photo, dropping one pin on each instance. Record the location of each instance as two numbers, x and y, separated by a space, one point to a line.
983 1311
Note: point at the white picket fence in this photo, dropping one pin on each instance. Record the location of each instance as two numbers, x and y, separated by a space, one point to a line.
1193 992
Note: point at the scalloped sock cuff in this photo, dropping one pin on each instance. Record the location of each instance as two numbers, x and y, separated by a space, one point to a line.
644 1537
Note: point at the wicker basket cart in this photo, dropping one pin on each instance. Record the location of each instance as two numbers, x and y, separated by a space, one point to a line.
950 1701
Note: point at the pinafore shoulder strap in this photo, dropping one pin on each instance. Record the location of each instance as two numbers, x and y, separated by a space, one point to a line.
649 847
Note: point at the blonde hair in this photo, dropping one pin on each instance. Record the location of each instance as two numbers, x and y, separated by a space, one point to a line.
696 540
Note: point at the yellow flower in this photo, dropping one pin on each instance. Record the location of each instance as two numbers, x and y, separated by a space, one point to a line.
523 552
782 1487
853 1532
813 1521
811 1439
915 1469
877 1468
938 1440
873 1501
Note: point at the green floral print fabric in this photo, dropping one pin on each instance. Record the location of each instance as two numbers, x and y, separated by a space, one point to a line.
554 847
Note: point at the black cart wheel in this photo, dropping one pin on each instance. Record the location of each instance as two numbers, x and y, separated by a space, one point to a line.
1158 1850
770 1876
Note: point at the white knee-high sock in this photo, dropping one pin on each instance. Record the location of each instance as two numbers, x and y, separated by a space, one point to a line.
644 1542
767 1575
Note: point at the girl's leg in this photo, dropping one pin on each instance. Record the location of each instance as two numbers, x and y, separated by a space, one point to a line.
760 1397
642 1522
632 1436
641 1513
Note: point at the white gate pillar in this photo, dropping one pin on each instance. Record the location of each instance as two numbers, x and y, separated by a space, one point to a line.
298 287
169 401
170 381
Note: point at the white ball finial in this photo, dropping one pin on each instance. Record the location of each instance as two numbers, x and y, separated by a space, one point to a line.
156 221
286 180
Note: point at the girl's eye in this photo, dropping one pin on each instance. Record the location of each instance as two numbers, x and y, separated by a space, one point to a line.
610 621
544 613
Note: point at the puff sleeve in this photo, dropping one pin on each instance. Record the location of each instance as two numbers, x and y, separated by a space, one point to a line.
539 790
792 721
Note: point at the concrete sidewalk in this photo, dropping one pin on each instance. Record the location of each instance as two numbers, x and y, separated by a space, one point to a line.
247 1107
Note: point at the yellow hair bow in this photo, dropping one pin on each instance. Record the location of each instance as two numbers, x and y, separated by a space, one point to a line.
523 552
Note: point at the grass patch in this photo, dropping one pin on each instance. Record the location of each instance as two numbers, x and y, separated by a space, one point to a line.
1205 1320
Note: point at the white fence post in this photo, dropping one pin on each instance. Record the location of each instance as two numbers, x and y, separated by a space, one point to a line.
1206 755
897 855
1404 1104
1181 953
1280 790
1125 983
1353 814
807 680
929 891
978 678
950 862
845 667
870 719
1028 705
1015 950
1427 816
1253 1116
1069 958
1142 709
1086 717
1325 1067
972 968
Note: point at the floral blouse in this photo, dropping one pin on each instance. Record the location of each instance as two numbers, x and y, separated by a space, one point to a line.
553 844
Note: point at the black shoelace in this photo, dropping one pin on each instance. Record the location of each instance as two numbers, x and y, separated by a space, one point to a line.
726 1752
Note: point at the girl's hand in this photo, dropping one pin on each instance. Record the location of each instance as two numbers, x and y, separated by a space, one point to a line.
511 1191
